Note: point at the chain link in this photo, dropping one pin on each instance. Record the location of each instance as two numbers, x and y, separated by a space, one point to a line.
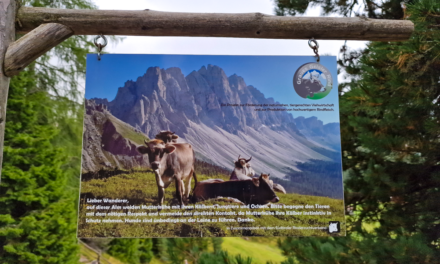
314 47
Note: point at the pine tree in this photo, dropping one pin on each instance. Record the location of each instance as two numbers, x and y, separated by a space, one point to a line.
125 250
159 248
217 244
145 250
132 250
39 189
181 249
384 9
36 226
390 123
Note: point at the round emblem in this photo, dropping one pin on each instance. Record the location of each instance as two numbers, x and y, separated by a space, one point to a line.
312 81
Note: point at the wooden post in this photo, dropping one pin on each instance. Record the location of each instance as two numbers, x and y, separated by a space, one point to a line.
7 35
24 51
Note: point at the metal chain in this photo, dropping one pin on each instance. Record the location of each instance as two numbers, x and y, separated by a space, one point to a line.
99 45
314 47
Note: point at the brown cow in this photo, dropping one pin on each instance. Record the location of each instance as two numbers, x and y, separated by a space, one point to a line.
275 186
244 171
171 162
167 136
254 191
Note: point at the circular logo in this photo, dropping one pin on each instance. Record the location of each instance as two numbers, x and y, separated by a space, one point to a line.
312 81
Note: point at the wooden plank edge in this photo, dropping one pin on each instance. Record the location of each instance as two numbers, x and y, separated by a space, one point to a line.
247 25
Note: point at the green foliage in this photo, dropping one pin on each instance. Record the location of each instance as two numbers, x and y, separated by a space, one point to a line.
145 250
189 249
222 257
217 243
62 69
217 258
132 251
37 222
159 248
369 249
260 249
195 250
390 123
125 250
387 9
38 194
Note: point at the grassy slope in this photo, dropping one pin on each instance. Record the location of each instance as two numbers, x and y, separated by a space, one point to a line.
90 255
140 188
260 250
127 131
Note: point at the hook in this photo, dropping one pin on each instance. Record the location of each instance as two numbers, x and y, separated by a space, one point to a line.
99 45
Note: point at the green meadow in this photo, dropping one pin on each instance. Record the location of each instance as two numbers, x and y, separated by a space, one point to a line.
139 188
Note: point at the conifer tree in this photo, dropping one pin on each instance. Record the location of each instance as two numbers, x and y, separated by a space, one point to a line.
217 244
189 249
159 248
384 9
38 193
145 250
132 250
390 125
36 226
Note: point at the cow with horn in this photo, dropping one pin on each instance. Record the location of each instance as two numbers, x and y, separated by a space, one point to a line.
171 162
167 136
242 170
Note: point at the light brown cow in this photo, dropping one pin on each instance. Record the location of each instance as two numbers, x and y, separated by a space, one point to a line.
171 162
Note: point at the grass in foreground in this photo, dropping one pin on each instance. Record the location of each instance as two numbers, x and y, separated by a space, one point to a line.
88 255
140 189
260 251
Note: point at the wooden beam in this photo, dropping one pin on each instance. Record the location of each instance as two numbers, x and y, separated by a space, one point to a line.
7 35
249 25
34 44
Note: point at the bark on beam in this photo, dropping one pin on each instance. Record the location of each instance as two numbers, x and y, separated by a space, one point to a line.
249 25
7 35
34 44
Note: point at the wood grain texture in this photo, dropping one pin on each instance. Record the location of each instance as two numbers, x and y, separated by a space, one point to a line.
249 25
7 35
32 45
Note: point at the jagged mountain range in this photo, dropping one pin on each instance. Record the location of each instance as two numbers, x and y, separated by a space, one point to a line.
195 107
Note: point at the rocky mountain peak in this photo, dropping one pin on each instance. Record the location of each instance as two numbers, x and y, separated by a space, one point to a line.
165 99
208 109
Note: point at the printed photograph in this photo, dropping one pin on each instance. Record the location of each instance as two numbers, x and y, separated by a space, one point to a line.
211 146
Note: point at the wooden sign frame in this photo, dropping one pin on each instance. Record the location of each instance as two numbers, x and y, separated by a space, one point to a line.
47 27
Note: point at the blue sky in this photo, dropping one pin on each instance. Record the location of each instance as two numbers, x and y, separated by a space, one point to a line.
272 75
